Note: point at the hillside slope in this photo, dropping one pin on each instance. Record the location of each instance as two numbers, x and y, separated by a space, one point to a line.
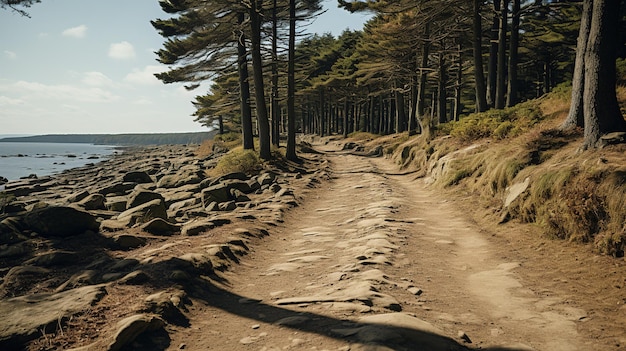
520 167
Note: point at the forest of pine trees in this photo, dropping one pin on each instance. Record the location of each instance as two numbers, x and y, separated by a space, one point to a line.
415 62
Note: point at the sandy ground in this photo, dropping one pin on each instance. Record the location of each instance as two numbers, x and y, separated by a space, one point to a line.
375 247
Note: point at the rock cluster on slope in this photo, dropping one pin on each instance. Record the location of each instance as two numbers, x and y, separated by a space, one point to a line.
143 218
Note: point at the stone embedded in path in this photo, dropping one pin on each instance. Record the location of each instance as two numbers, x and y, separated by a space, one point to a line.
400 329
360 290
130 328
159 226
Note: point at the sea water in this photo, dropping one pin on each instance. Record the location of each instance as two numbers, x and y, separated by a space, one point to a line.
23 159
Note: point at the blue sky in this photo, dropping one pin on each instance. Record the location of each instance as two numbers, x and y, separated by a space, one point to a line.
86 66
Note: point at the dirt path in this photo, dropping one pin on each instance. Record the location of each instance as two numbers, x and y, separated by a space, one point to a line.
375 260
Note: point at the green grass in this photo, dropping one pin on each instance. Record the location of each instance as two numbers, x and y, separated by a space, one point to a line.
497 124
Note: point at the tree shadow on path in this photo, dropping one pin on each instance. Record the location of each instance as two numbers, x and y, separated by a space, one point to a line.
394 331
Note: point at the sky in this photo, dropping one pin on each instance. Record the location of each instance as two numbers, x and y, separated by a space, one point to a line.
86 66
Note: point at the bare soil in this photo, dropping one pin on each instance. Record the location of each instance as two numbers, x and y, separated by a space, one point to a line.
373 241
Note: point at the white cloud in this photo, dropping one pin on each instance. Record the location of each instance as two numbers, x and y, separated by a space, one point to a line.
10 55
35 91
143 101
97 79
76 32
6 101
145 76
122 51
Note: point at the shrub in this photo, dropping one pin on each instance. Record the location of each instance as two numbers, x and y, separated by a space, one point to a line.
498 124
237 160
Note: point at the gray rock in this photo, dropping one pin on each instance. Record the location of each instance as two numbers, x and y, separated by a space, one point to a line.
235 176
130 328
144 213
196 227
137 177
93 202
14 250
134 278
142 196
159 226
178 195
124 265
14 207
24 317
127 242
60 221
227 206
116 203
266 178
117 188
200 261
184 204
216 193
240 185
75 197
400 329
54 258
180 178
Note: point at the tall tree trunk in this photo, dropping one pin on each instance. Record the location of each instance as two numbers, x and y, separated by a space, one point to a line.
220 122
601 110
259 88
322 123
244 88
400 112
575 117
456 112
421 103
274 106
492 66
291 85
479 74
513 55
413 112
441 90
501 82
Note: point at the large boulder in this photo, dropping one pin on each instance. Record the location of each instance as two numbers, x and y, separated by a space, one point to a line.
217 193
60 221
119 188
131 327
93 202
137 177
142 196
25 317
192 175
144 213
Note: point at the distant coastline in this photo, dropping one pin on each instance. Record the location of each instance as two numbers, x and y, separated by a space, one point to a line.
117 139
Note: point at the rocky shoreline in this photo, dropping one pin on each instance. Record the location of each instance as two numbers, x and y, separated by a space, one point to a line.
94 257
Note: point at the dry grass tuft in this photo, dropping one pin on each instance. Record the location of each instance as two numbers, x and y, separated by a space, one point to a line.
575 196
236 160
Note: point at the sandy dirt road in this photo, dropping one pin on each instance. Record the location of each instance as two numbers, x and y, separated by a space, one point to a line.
376 260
